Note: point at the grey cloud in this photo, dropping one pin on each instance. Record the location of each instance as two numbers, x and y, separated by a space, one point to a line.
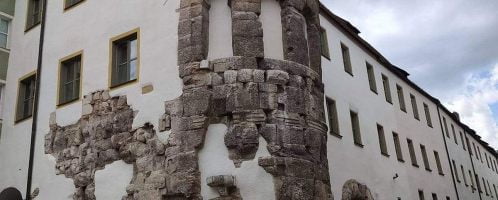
438 42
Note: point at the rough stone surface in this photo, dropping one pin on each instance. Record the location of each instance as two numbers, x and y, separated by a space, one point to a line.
247 30
352 190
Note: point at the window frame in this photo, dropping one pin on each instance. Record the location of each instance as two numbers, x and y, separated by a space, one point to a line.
411 150
7 34
455 169
32 76
324 44
355 128
333 124
413 101
382 140
372 82
425 158
69 6
387 89
428 117
346 59
123 37
397 147
438 163
401 98
69 58
30 22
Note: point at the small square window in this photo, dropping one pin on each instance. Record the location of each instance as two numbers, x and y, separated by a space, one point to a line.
125 59
69 80
25 97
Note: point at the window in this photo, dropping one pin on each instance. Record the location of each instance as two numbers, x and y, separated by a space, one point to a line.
428 115
346 59
4 33
382 140
488 191
387 89
454 134
438 163
332 115
401 98
356 128
485 188
411 149
397 146
468 146
125 58
463 141
421 195
25 97
446 127
371 78
494 187
455 170
487 161
414 107
479 154
69 80
475 150
434 196
34 13
424 157
71 3
324 43
463 175
472 181
479 189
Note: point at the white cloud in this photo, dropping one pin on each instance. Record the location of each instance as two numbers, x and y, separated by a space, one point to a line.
474 104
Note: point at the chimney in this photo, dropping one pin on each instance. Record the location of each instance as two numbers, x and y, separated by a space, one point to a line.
456 115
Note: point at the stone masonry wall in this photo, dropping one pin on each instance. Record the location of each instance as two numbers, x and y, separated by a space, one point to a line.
279 100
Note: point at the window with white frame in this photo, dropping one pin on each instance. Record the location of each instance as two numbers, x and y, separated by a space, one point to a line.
4 32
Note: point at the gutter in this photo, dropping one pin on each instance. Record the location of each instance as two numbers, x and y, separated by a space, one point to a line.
448 155
36 102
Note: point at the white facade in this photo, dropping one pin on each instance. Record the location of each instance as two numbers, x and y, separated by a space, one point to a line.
89 27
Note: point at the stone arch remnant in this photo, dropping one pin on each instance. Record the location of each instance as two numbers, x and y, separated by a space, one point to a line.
353 190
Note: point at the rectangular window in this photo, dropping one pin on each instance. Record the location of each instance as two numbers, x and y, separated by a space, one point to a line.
463 175
434 196
125 59
438 163
71 3
4 33
488 192
472 181
496 193
454 134
468 146
421 195
455 171
401 98
397 147
463 141
346 59
424 158
428 115
355 123
69 80
479 154
411 149
487 160
387 88
324 43
25 98
34 13
475 150
371 78
485 188
382 140
332 117
446 127
414 107
479 188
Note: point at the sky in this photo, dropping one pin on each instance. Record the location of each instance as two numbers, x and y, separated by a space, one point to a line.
449 47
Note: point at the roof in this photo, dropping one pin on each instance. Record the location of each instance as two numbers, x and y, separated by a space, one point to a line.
353 33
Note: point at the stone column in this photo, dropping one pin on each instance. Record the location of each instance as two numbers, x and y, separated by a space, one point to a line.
247 31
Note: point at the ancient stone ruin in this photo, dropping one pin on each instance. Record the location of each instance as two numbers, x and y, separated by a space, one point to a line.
280 100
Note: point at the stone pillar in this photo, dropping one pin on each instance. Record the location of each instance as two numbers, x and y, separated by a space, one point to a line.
193 31
247 31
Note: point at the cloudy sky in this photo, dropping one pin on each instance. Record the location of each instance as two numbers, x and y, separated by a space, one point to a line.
450 48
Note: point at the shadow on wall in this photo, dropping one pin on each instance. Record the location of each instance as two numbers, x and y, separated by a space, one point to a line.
10 194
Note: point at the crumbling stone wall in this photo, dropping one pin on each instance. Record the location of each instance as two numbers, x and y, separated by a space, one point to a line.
279 100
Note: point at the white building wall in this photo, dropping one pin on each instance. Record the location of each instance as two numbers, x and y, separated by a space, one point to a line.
367 165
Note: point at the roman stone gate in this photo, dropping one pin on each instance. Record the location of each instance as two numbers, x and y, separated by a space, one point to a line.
280 100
